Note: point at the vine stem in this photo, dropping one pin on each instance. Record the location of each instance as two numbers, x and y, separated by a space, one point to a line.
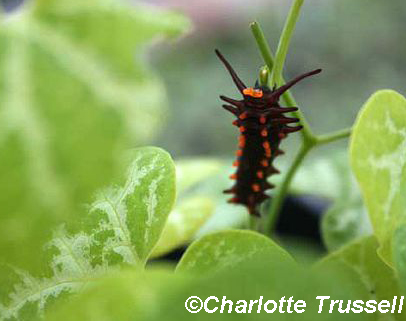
309 140
282 190
331 137
288 98
284 42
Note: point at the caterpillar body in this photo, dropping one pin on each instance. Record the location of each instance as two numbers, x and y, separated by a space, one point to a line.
262 125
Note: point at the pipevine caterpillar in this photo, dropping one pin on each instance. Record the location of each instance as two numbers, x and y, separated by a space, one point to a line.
262 125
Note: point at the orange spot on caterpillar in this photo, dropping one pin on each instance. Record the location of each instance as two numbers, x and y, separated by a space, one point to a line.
236 163
242 129
233 200
256 187
264 133
264 163
243 115
256 93
233 176
239 153
262 119
241 141
266 145
268 153
260 174
235 122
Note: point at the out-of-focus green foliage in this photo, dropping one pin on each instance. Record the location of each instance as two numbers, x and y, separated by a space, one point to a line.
183 223
162 295
125 295
330 176
194 206
74 90
226 249
123 225
399 255
72 96
363 268
378 158
190 172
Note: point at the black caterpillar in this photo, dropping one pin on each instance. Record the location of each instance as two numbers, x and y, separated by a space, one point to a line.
262 126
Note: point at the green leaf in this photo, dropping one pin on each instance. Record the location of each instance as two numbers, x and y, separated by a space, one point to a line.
74 90
183 223
227 249
378 158
158 295
399 255
344 222
71 270
122 295
365 270
133 215
190 172
123 225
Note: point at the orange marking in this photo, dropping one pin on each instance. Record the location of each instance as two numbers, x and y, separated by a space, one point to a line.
256 93
264 133
260 174
262 119
266 145
233 176
256 187
233 200
243 115
235 122
242 129
239 152
268 153
241 141
236 164
264 163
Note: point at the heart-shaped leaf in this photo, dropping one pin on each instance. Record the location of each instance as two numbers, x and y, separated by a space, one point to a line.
378 158
130 218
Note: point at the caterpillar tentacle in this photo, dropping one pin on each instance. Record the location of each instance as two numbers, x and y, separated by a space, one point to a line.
231 109
240 85
231 101
262 127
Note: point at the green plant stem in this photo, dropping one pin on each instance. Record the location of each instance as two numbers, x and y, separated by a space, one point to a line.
328 138
288 98
284 42
253 223
282 190
262 44
309 140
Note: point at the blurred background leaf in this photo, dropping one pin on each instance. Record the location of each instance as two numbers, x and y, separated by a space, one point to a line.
378 158
228 249
75 91
399 255
359 263
183 223
155 295
121 227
